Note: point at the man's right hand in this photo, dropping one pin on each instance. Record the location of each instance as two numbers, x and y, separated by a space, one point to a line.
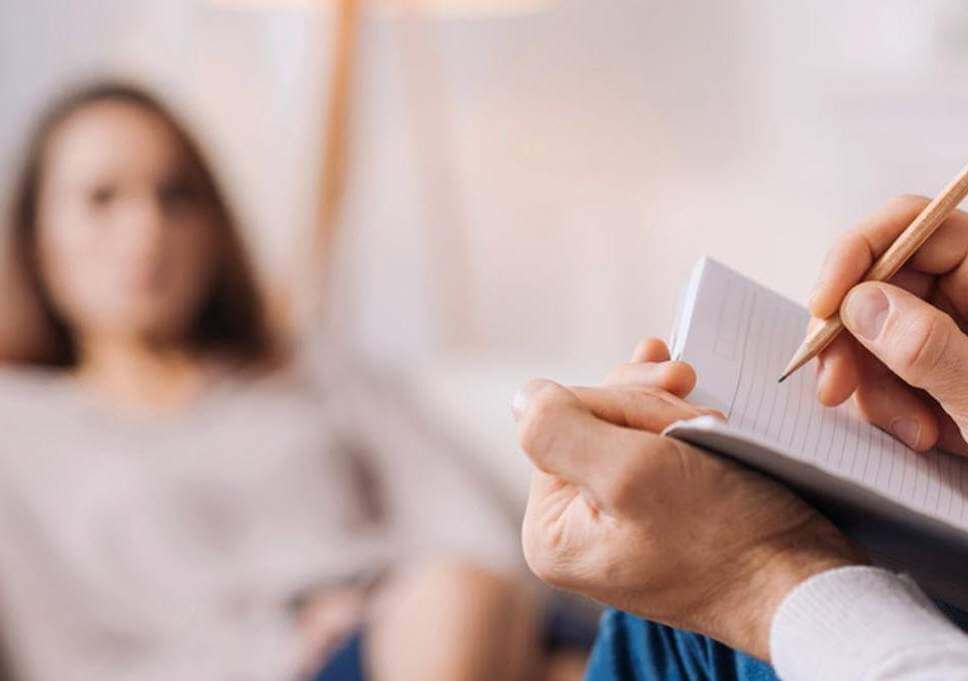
905 360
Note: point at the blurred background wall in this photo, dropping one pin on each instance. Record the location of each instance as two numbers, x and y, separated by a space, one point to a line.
528 192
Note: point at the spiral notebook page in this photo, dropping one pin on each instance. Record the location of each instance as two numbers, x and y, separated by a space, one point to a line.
739 336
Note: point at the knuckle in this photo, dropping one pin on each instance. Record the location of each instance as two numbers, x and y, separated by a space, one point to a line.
856 248
923 347
537 428
846 242
644 391
619 490
645 402
630 478
643 346
634 403
651 346
849 248
621 373
906 202
626 402
659 397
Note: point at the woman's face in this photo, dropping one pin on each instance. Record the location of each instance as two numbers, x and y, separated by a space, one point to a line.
125 245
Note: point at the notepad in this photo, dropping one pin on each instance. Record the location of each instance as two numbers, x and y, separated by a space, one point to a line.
908 509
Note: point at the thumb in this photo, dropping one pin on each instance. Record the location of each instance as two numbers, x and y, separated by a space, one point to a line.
916 340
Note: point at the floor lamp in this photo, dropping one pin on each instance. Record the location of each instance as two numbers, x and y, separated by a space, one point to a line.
336 137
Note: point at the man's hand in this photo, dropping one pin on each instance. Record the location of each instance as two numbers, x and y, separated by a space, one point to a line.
905 360
654 526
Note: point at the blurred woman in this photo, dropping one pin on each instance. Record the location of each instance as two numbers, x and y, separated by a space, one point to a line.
181 496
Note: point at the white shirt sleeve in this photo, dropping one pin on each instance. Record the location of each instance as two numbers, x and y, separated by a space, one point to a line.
864 624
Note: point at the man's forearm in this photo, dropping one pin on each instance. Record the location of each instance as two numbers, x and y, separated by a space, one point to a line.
864 624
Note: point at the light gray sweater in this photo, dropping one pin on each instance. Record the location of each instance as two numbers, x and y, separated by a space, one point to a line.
172 547
864 624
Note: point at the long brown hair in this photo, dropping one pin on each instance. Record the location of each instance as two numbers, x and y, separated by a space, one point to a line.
231 320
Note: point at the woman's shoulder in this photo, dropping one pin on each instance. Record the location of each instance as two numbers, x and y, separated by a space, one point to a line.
19 377
27 390
324 374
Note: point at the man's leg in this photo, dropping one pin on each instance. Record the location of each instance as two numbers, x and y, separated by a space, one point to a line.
632 649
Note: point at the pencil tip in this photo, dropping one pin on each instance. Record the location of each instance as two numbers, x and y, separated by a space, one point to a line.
782 378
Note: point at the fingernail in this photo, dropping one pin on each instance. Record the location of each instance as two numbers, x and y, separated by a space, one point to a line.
522 398
865 310
907 430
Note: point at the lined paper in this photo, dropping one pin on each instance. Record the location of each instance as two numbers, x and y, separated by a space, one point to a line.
739 336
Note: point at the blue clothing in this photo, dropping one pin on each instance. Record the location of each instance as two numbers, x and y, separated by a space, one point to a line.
627 649
632 649
562 629
346 664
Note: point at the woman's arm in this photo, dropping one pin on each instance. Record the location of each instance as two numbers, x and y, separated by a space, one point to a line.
421 480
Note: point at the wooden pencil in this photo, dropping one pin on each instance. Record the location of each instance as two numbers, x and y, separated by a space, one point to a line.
886 266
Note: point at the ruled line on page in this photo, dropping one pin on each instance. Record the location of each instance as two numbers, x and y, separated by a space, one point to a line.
790 415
